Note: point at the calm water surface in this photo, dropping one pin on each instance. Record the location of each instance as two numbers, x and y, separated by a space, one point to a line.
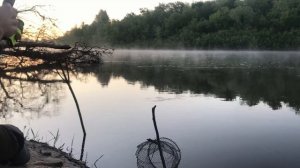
224 109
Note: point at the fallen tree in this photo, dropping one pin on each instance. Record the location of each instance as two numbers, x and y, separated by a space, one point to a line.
49 52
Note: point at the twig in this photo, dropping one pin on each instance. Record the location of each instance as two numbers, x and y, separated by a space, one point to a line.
157 138
95 163
35 136
55 137
71 148
67 81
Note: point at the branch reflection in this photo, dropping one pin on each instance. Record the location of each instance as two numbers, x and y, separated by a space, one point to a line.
30 86
32 91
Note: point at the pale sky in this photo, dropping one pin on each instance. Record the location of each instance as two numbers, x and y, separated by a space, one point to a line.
73 12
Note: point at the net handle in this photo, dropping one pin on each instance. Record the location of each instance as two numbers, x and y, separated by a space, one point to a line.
157 138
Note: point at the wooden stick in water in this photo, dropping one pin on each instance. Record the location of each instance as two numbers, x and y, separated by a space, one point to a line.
158 139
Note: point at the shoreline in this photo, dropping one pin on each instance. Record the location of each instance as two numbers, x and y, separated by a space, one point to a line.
43 155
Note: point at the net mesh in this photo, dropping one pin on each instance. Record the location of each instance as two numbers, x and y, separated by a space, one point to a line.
148 154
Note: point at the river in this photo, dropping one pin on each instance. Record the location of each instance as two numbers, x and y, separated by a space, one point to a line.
228 109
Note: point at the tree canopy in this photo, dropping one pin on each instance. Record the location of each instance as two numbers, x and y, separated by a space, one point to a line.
219 24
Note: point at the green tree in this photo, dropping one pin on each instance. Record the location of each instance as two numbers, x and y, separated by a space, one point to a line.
243 16
228 24
221 19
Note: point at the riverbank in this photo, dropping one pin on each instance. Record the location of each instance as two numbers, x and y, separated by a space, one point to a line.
43 155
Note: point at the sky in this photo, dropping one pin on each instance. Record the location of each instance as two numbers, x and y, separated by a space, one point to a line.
73 12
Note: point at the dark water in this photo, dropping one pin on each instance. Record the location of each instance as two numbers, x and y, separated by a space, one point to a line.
223 109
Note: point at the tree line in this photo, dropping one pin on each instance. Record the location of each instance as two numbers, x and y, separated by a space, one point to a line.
218 24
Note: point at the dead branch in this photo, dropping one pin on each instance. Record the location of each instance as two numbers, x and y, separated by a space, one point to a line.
36 10
50 52
29 44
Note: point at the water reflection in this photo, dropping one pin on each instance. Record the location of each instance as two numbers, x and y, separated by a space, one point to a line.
205 127
253 77
65 76
33 92
273 86
33 89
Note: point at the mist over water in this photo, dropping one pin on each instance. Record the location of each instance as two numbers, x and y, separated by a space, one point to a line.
226 109
216 59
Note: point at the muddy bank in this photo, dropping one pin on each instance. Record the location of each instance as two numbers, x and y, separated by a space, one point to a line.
43 155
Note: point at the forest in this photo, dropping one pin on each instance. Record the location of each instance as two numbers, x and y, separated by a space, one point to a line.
218 24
